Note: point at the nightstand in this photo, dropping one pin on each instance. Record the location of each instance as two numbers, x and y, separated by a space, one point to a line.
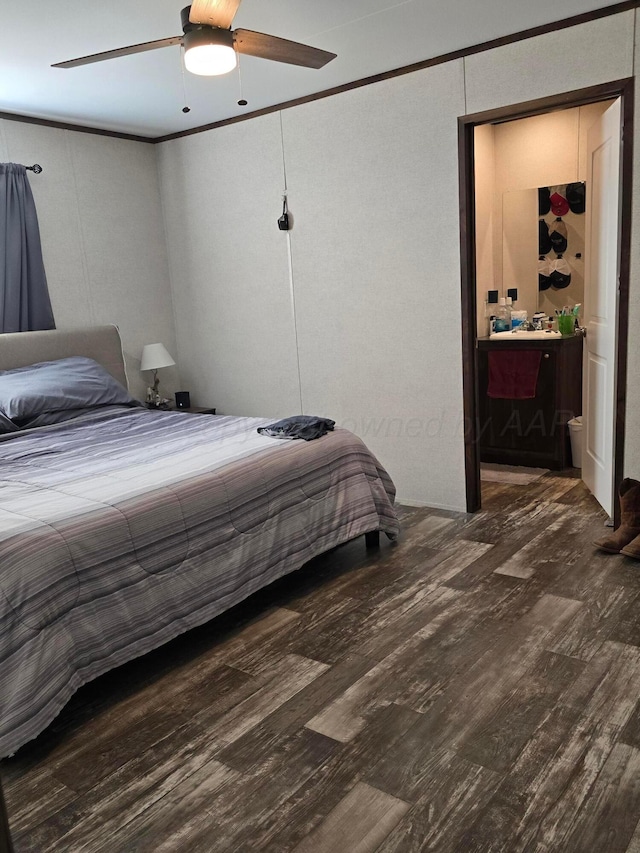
196 410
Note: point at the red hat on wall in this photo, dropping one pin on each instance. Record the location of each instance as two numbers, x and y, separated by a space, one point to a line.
559 205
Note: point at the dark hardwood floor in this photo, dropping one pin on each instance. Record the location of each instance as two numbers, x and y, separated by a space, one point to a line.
471 688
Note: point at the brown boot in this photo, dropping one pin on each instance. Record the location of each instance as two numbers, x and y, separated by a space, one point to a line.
630 520
632 549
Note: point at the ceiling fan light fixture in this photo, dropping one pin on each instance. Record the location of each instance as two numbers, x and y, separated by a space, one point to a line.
209 51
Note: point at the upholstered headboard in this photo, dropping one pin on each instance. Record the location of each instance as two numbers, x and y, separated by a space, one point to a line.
101 343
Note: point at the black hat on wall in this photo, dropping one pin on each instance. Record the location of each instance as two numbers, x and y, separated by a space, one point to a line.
558 236
560 273
544 272
544 240
544 201
576 197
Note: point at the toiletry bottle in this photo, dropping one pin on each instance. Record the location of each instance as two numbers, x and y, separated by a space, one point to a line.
539 320
518 319
503 316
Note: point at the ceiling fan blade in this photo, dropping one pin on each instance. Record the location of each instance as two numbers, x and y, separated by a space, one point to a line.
121 51
214 13
280 50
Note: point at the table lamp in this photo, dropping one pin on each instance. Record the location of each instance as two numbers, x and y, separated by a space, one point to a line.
155 356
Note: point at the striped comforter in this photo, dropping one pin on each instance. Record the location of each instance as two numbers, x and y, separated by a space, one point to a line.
127 527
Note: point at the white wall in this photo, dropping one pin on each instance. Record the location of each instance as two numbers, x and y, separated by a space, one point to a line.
373 184
551 64
222 193
519 267
372 179
98 203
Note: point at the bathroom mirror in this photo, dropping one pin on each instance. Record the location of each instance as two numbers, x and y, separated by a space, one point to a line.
520 252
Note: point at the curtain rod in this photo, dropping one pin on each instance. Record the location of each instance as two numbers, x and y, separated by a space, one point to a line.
36 168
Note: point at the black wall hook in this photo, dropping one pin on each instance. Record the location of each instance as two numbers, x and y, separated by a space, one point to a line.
283 222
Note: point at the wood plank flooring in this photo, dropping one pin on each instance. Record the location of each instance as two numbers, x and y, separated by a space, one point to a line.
472 688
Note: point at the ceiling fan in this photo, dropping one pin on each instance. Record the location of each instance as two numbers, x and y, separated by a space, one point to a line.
211 45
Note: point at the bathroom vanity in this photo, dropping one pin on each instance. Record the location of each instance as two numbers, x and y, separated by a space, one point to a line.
531 432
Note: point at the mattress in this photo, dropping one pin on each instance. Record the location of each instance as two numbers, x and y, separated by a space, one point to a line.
125 527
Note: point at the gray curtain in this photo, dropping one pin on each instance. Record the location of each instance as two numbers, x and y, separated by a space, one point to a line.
24 295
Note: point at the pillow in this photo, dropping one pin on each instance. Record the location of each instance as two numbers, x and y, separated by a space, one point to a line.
62 415
68 383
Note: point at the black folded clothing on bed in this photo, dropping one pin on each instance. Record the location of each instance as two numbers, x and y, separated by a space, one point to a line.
307 427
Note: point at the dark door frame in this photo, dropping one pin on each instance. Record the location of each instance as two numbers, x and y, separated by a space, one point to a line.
466 125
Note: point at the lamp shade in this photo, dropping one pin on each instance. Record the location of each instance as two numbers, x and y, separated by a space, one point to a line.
155 356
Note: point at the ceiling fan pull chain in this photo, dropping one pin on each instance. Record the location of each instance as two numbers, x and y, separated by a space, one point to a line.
242 101
185 109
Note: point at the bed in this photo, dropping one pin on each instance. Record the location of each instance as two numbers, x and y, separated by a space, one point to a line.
122 527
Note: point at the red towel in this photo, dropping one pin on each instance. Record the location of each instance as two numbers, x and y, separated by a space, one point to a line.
513 375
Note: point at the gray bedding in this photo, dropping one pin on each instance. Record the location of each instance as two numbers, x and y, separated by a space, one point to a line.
125 527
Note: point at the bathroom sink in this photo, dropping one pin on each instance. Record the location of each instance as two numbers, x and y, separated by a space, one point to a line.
524 336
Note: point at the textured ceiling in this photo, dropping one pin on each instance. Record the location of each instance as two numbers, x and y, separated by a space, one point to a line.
145 94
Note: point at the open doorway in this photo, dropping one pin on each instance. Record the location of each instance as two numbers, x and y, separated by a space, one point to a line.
485 266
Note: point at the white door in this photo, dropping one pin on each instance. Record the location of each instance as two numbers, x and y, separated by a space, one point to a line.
601 304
